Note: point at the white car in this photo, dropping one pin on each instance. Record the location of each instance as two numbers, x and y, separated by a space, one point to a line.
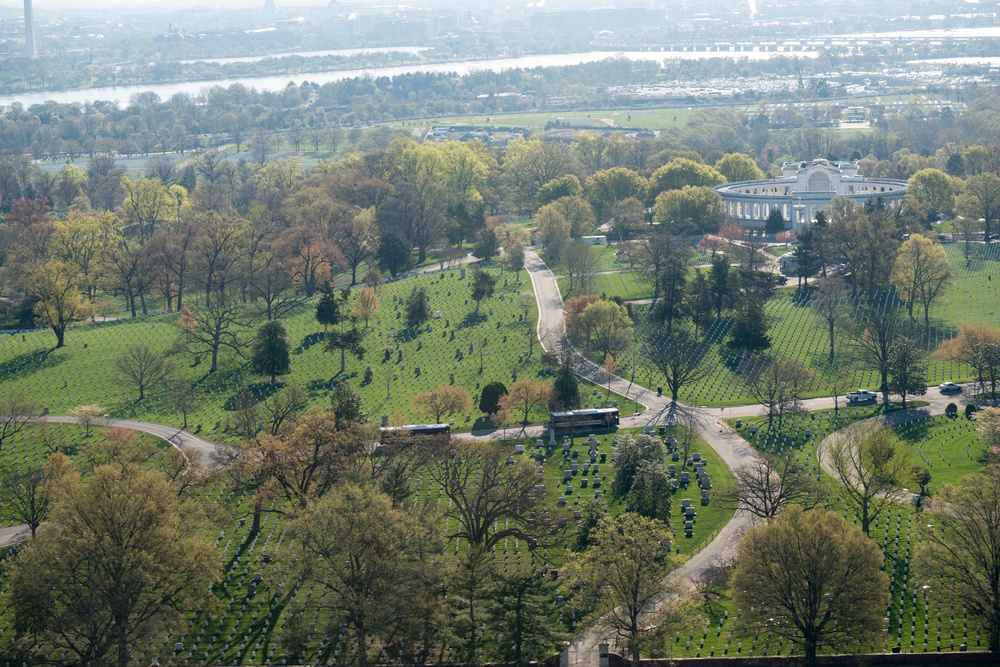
946 387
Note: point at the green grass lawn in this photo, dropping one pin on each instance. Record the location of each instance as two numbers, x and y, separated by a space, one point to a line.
652 119
797 332
951 450
628 286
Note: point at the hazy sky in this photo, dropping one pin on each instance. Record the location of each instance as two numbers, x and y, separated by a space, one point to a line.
43 5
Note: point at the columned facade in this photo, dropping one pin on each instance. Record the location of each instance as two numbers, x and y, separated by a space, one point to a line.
804 189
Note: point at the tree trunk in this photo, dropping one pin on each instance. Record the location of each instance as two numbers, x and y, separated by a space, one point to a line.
362 638
810 652
60 332
255 523
865 520
215 359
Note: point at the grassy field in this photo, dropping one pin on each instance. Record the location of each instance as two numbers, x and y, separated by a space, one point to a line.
651 119
628 286
797 332
83 371
951 450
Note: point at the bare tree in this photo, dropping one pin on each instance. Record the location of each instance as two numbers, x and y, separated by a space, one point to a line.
215 328
777 384
23 496
832 303
489 499
769 483
881 332
142 368
678 356
15 413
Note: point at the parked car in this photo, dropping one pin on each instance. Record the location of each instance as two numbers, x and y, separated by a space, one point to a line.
947 387
862 396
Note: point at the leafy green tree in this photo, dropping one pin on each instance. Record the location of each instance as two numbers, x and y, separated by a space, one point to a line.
514 258
749 330
610 186
122 558
680 173
482 286
872 468
775 221
632 453
980 199
930 193
691 209
487 245
57 287
813 580
521 613
270 354
737 167
593 511
650 492
718 281
347 405
622 578
921 273
375 565
907 370
557 188
565 387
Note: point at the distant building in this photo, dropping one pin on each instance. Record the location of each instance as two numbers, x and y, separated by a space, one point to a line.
804 189
30 49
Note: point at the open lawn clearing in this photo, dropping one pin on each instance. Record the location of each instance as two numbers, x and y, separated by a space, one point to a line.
83 371
651 119
951 450
797 332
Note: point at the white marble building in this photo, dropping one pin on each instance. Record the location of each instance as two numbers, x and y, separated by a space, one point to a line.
803 189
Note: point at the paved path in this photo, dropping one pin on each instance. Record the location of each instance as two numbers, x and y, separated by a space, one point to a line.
731 448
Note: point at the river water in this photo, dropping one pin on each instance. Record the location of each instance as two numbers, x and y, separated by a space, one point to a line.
121 94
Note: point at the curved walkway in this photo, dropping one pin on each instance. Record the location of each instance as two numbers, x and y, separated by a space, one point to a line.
730 447
193 447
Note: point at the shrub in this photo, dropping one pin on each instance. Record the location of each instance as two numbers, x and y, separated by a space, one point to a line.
970 409
951 410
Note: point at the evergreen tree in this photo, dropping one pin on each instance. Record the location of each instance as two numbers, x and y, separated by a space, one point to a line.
270 353
327 308
718 282
775 221
565 387
418 307
489 400
521 614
